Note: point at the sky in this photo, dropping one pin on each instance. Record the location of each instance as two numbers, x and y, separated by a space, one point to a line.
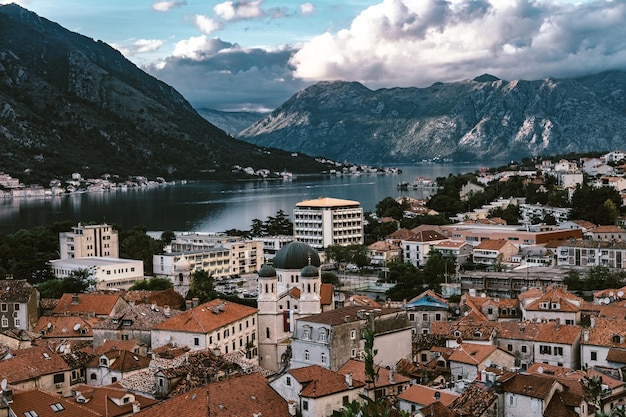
248 55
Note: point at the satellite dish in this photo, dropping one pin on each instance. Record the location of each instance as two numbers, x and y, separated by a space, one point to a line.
483 295
620 294
607 300
76 327
461 385
49 325
601 301
3 384
540 369
488 363
611 294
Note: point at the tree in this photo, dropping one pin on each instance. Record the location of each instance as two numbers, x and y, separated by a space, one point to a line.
389 207
167 237
330 278
201 287
77 281
137 244
153 284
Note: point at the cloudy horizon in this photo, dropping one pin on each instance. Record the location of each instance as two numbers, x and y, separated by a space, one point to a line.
254 55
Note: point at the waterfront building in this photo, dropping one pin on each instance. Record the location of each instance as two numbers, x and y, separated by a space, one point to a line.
272 244
107 273
328 221
98 240
474 233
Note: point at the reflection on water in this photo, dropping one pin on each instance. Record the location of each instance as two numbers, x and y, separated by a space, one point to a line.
211 206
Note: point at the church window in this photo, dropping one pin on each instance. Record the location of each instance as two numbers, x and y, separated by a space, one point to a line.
324 358
266 288
308 288
307 355
267 332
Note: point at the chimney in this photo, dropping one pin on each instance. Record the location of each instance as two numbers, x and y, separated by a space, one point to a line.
166 311
136 407
557 324
346 319
348 377
391 376
292 407
592 319
74 299
257 414
187 304
195 301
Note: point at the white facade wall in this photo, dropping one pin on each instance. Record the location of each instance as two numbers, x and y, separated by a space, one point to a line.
592 355
92 240
106 272
557 354
521 406
325 226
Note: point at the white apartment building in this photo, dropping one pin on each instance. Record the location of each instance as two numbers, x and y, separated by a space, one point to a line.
89 240
108 273
328 221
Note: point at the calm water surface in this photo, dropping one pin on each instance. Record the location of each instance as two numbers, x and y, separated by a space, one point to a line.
212 206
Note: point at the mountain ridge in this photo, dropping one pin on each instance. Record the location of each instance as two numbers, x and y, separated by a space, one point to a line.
487 118
72 104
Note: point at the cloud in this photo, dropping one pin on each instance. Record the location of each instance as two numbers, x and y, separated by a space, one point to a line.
217 74
165 6
206 25
140 46
415 43
239 10
306 9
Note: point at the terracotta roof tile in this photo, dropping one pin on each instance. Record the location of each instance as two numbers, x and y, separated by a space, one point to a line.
539 332
326 294
65 327
339 315
529 385
202 319
606 332
43 402
476 399
491 244
137 317
161 298
319 382
101 304
437 409
238 396
109 401
420 394
17 290
31 363
357 369
472 353
121 360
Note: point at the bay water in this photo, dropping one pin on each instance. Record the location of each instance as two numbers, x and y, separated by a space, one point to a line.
214 206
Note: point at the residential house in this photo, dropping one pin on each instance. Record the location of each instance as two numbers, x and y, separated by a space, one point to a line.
71 328
316 390
18 339
614 156
608 234
219 325
426 308
113 366
36 402
245 395
455 250
417 246
476 232
418 396
492 308
161 298
134 322
94 304
535 396
550 304
19 305
469 189
547 343
38 367
111 401
331 338
494 251
471 328
590 253
604 343
469 359
382 253
388 383
531 213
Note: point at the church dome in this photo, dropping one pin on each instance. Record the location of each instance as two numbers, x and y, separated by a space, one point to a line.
182 265
309 271
267 271
296 255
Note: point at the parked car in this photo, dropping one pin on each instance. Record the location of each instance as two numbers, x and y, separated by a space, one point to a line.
352 268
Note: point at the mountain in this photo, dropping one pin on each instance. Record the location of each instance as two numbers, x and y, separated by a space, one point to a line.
485 118
71 104
231 122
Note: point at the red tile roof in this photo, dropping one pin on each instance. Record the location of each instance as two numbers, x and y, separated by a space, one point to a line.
31 363
109 401
162 298
239 396
472 353
121 360
492 244
43 402
319 382
65 326
529 385
101 304
539 332
202 319
326 294
339 315
420 394
357 369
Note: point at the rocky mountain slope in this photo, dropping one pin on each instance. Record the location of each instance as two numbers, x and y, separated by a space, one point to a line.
484 118
230 122
69 103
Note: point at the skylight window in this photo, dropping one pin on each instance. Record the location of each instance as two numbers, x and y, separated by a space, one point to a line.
31 413
57 407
